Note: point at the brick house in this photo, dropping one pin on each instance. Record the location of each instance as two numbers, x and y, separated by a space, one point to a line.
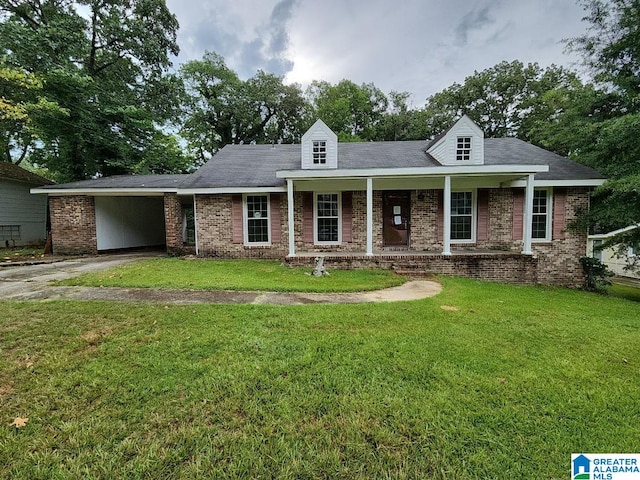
460 204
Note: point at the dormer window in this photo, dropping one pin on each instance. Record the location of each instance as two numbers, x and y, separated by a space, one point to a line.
319 152
463 149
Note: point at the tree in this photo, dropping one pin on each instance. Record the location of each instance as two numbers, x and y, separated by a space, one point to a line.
611 49
499 99
222 109
353 112
105 68
21 105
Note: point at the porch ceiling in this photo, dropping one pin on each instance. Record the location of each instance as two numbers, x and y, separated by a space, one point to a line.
406 183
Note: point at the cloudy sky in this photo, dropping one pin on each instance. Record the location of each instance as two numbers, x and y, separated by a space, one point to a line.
418 46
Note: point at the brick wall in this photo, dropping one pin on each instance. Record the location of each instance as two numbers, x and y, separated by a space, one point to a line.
73 225
555 262
173 223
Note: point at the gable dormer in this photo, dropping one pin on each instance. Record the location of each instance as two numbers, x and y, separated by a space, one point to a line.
462 144
319 147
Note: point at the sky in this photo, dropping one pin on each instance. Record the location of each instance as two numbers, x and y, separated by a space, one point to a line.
415 46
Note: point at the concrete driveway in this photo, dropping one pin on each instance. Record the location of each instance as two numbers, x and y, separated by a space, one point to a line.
33 282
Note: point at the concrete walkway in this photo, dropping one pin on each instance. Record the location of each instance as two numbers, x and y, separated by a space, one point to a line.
33 282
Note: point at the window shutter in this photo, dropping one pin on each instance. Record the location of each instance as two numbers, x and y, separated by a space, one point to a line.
347 217
236 219
440 215
307 217
276 218
483 215
559 216
518 214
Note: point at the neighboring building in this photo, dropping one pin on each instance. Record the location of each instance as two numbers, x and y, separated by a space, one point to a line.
460 204
23 217
614 257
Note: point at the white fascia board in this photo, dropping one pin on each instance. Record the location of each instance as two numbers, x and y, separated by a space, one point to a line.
222 190
414 171
602 236
105 192
592 182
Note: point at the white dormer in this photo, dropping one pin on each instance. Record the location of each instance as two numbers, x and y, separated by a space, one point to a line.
319 147
462 144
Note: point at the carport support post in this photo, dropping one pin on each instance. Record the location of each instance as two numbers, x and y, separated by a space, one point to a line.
446 235
290 219
528 215
369 216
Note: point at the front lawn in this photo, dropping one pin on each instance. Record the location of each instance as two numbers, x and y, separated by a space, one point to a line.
261 275
504 382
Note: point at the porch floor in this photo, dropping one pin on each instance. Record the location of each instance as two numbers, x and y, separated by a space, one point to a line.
495 265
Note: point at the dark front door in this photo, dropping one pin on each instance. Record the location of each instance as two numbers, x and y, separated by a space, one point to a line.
395 217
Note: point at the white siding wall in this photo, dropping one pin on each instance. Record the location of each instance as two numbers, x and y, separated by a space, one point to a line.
319 131
126 222
19 207
610 259
445 150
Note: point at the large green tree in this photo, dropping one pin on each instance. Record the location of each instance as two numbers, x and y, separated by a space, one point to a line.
354 112
503 100
222 109
609 117
104 63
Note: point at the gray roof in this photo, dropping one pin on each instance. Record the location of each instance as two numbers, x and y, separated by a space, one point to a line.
256 165
10 171
126 181
512 151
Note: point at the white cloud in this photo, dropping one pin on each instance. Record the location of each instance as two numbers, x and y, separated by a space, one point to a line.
411 45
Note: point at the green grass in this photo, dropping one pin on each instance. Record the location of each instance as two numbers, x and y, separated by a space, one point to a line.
262 275
21 252
507 386
624 291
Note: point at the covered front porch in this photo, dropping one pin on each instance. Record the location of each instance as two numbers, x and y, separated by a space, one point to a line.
412 203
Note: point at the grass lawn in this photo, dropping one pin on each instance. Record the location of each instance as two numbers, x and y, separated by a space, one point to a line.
624 291
262 275
507 384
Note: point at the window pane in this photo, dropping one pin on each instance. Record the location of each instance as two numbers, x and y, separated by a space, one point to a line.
539 226
327 229
461 228
257 206
461 203
540 201
327 205
258 230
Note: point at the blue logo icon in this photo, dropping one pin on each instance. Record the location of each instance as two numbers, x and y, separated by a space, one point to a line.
581 468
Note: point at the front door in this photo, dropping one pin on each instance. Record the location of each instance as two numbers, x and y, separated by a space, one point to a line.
395 217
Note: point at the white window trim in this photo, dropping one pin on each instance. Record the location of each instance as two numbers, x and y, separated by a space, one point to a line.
245 220
326 147
474 216
455 156
548 237
315 218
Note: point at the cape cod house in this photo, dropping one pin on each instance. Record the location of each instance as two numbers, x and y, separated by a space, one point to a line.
460 204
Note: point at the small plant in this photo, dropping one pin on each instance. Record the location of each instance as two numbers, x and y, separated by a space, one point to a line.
596 275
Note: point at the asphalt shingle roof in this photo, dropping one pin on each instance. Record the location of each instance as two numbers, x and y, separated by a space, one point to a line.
126 181
256 165
10 171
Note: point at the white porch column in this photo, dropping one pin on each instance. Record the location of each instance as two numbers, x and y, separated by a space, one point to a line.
369 216
195 224
528 215
446 237
290 219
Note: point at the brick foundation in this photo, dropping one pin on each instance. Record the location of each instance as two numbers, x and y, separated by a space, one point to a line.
73 225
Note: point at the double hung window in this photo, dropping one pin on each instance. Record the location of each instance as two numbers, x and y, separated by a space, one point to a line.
257 220
327 218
